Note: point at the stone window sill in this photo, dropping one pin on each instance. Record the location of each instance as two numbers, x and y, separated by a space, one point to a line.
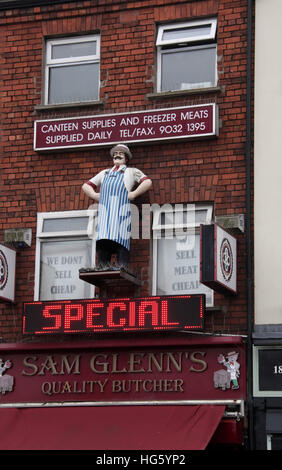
194 91
66 106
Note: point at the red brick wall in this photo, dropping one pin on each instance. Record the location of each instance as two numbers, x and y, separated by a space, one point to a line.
192 171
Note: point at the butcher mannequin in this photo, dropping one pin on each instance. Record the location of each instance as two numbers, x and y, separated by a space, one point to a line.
113 190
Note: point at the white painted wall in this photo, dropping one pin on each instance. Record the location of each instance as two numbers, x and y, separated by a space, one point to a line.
268 162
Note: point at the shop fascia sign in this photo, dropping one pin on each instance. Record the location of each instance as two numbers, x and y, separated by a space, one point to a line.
198 121
112 372
218 259
7 273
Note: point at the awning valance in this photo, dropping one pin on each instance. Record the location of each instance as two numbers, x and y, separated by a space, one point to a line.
155 427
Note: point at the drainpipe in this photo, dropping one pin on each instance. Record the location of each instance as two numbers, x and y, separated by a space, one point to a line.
249 244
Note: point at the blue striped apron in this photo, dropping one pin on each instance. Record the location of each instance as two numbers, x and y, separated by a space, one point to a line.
114 216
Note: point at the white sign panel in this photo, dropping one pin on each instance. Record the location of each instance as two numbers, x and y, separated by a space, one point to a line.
7 273
178 270
226 259
218 253
60 263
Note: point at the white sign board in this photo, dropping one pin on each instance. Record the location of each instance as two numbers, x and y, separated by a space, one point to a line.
178 270
60 263
226 259
218 259
7 273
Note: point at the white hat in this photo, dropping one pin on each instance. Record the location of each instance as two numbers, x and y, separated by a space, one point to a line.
121 148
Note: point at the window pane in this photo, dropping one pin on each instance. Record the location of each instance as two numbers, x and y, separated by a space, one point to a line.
67 224
276 442
181 69
178 270
68 84
79 49
59 269
183 217
166 218
186 33
201 216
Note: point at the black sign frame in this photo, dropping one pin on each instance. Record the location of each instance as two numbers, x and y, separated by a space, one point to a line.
270 369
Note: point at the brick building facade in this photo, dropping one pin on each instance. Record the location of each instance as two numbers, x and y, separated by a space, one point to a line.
203 171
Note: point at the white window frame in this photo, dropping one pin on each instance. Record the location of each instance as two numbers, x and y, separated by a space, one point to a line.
189 24
269 437
89 59
269 441
174 229
186 43
178 209
63 235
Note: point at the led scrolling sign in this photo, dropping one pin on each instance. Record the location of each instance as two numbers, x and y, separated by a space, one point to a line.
184 312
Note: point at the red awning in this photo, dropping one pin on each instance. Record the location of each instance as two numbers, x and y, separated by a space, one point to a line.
159 427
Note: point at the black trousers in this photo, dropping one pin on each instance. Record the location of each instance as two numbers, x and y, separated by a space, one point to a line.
106 248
